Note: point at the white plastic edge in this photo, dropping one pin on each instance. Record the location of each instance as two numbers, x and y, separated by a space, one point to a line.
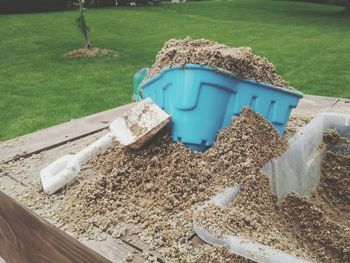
239 245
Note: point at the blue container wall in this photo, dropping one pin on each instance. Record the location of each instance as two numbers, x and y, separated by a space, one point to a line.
203 101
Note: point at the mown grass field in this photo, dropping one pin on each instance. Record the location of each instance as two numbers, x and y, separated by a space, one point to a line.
39 87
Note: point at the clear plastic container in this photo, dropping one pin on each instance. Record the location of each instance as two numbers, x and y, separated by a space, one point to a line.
299 168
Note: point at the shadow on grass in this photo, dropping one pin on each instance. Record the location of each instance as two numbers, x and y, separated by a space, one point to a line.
320 10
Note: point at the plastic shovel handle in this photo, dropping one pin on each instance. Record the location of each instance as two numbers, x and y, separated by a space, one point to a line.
59 173
94 149
65 169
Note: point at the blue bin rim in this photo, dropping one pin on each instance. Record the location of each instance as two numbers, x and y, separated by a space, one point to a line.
217 70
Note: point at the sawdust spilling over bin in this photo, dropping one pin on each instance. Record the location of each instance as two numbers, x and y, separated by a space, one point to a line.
239 61
295 124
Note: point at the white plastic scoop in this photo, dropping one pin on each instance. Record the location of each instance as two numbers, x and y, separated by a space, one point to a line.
133 129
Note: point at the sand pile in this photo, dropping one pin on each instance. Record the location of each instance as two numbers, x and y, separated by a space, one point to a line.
316 228
158 188
295 124
240 61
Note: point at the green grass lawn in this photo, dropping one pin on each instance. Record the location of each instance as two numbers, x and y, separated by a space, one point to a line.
39 87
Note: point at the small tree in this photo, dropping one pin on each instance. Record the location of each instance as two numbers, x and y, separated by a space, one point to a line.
83 26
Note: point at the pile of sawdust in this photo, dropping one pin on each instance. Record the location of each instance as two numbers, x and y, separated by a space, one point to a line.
158 188
239 61
90 53
295 124
316 228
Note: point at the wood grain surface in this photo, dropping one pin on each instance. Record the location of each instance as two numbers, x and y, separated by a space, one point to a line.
49 138
25 237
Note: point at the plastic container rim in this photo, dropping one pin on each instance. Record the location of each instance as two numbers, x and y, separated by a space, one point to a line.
218 70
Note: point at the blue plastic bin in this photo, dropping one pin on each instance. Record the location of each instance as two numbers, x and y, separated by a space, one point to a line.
202 100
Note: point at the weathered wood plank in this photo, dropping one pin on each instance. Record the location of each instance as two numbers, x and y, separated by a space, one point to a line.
25 237
311 105
57 135
117 252
136 242
17 175
26 170
342 106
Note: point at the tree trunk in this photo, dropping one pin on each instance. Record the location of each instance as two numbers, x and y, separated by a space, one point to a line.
87 43
81 7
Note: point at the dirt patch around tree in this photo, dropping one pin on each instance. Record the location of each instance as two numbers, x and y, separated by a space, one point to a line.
91 52
239 61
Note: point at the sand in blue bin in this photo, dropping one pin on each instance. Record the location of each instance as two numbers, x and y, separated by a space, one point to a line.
202 100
